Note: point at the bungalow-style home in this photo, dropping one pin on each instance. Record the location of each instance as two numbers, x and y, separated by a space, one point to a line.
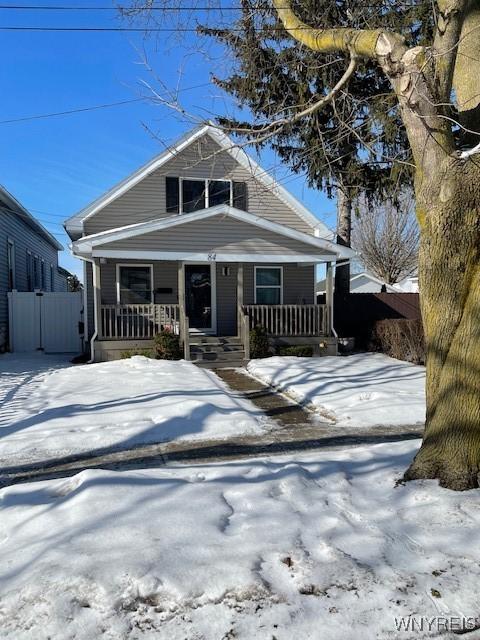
28 258
203 241
363 282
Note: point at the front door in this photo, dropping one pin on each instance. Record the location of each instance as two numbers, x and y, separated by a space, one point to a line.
199 297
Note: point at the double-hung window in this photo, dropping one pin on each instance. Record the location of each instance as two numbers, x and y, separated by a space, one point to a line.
134 284
11 263
185 195
268 285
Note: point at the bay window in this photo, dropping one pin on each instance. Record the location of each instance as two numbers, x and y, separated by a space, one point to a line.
268 285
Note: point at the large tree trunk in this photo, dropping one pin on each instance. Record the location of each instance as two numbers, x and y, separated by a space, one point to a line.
344 237
449 276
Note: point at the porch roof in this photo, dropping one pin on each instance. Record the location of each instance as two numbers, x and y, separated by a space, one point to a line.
220 233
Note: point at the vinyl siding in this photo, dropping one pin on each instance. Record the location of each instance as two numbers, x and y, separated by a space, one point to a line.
298 288
25 239
217 234
202 159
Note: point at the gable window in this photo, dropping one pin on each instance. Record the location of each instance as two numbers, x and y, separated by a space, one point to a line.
134 283
185 195
268 285
11 264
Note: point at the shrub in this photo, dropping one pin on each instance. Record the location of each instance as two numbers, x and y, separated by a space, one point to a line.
167 346
401 339
301 351
259 345
136 352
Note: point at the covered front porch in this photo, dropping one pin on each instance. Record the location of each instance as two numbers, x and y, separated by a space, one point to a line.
209 277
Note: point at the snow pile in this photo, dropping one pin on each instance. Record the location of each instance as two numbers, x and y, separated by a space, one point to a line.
362 390
323 546
52 412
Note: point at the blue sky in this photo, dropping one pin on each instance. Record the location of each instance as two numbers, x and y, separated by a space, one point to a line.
57 165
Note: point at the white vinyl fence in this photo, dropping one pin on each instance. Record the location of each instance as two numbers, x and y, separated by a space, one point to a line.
51 322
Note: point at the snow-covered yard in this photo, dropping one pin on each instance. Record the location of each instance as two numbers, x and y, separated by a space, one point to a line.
361 390
318 546
50 409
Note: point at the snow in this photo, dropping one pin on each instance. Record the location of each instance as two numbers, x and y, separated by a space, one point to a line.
361 390
320 546
50 409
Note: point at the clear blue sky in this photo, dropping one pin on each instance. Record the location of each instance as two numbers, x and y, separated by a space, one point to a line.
57 165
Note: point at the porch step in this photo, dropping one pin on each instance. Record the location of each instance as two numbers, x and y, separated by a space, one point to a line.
217 351
196 340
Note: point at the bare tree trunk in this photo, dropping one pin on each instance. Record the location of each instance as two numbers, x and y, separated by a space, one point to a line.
449 275
344 233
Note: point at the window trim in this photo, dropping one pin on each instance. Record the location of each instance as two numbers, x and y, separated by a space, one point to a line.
269 286
11 259
133 264
206 181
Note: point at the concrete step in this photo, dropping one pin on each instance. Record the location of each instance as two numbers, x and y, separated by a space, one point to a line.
196 339
224 356
215 348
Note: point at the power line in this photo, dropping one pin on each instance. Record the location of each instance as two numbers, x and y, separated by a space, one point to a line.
54 114
412 3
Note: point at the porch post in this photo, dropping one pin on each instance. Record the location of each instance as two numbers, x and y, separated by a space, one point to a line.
329 298
184 328
97 297
239 297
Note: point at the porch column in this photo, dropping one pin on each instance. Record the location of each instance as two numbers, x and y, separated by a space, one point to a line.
329 298
239 297
97 297
184 324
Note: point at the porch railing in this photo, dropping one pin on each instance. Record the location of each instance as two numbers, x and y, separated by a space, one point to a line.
289 319
137 321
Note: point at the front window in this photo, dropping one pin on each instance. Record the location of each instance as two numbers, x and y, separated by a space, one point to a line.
268 285
11 264
193 195
134 284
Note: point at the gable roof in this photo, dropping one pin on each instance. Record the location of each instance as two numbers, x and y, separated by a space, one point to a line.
88 243
11 204
75 223
369 276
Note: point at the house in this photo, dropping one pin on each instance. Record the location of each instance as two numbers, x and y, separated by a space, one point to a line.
363 282
203 241
408 285
28 259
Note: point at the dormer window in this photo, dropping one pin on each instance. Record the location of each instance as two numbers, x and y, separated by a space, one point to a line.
185 195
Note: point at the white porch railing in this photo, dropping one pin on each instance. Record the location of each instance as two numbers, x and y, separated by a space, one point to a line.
289 319
137 321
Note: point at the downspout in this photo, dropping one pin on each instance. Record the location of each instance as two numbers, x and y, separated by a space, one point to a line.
95 333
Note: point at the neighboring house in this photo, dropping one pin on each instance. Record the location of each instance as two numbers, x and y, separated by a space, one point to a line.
408 285
203 241
362 283
28 258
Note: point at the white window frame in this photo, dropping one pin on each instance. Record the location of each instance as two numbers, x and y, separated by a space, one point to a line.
181 179
119 265
11 262
268 286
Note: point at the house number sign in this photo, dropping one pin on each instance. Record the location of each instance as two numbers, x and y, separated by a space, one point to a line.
212 257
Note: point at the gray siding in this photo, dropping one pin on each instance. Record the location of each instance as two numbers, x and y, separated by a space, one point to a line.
202 159
25 239
218 234
298 288
227 300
